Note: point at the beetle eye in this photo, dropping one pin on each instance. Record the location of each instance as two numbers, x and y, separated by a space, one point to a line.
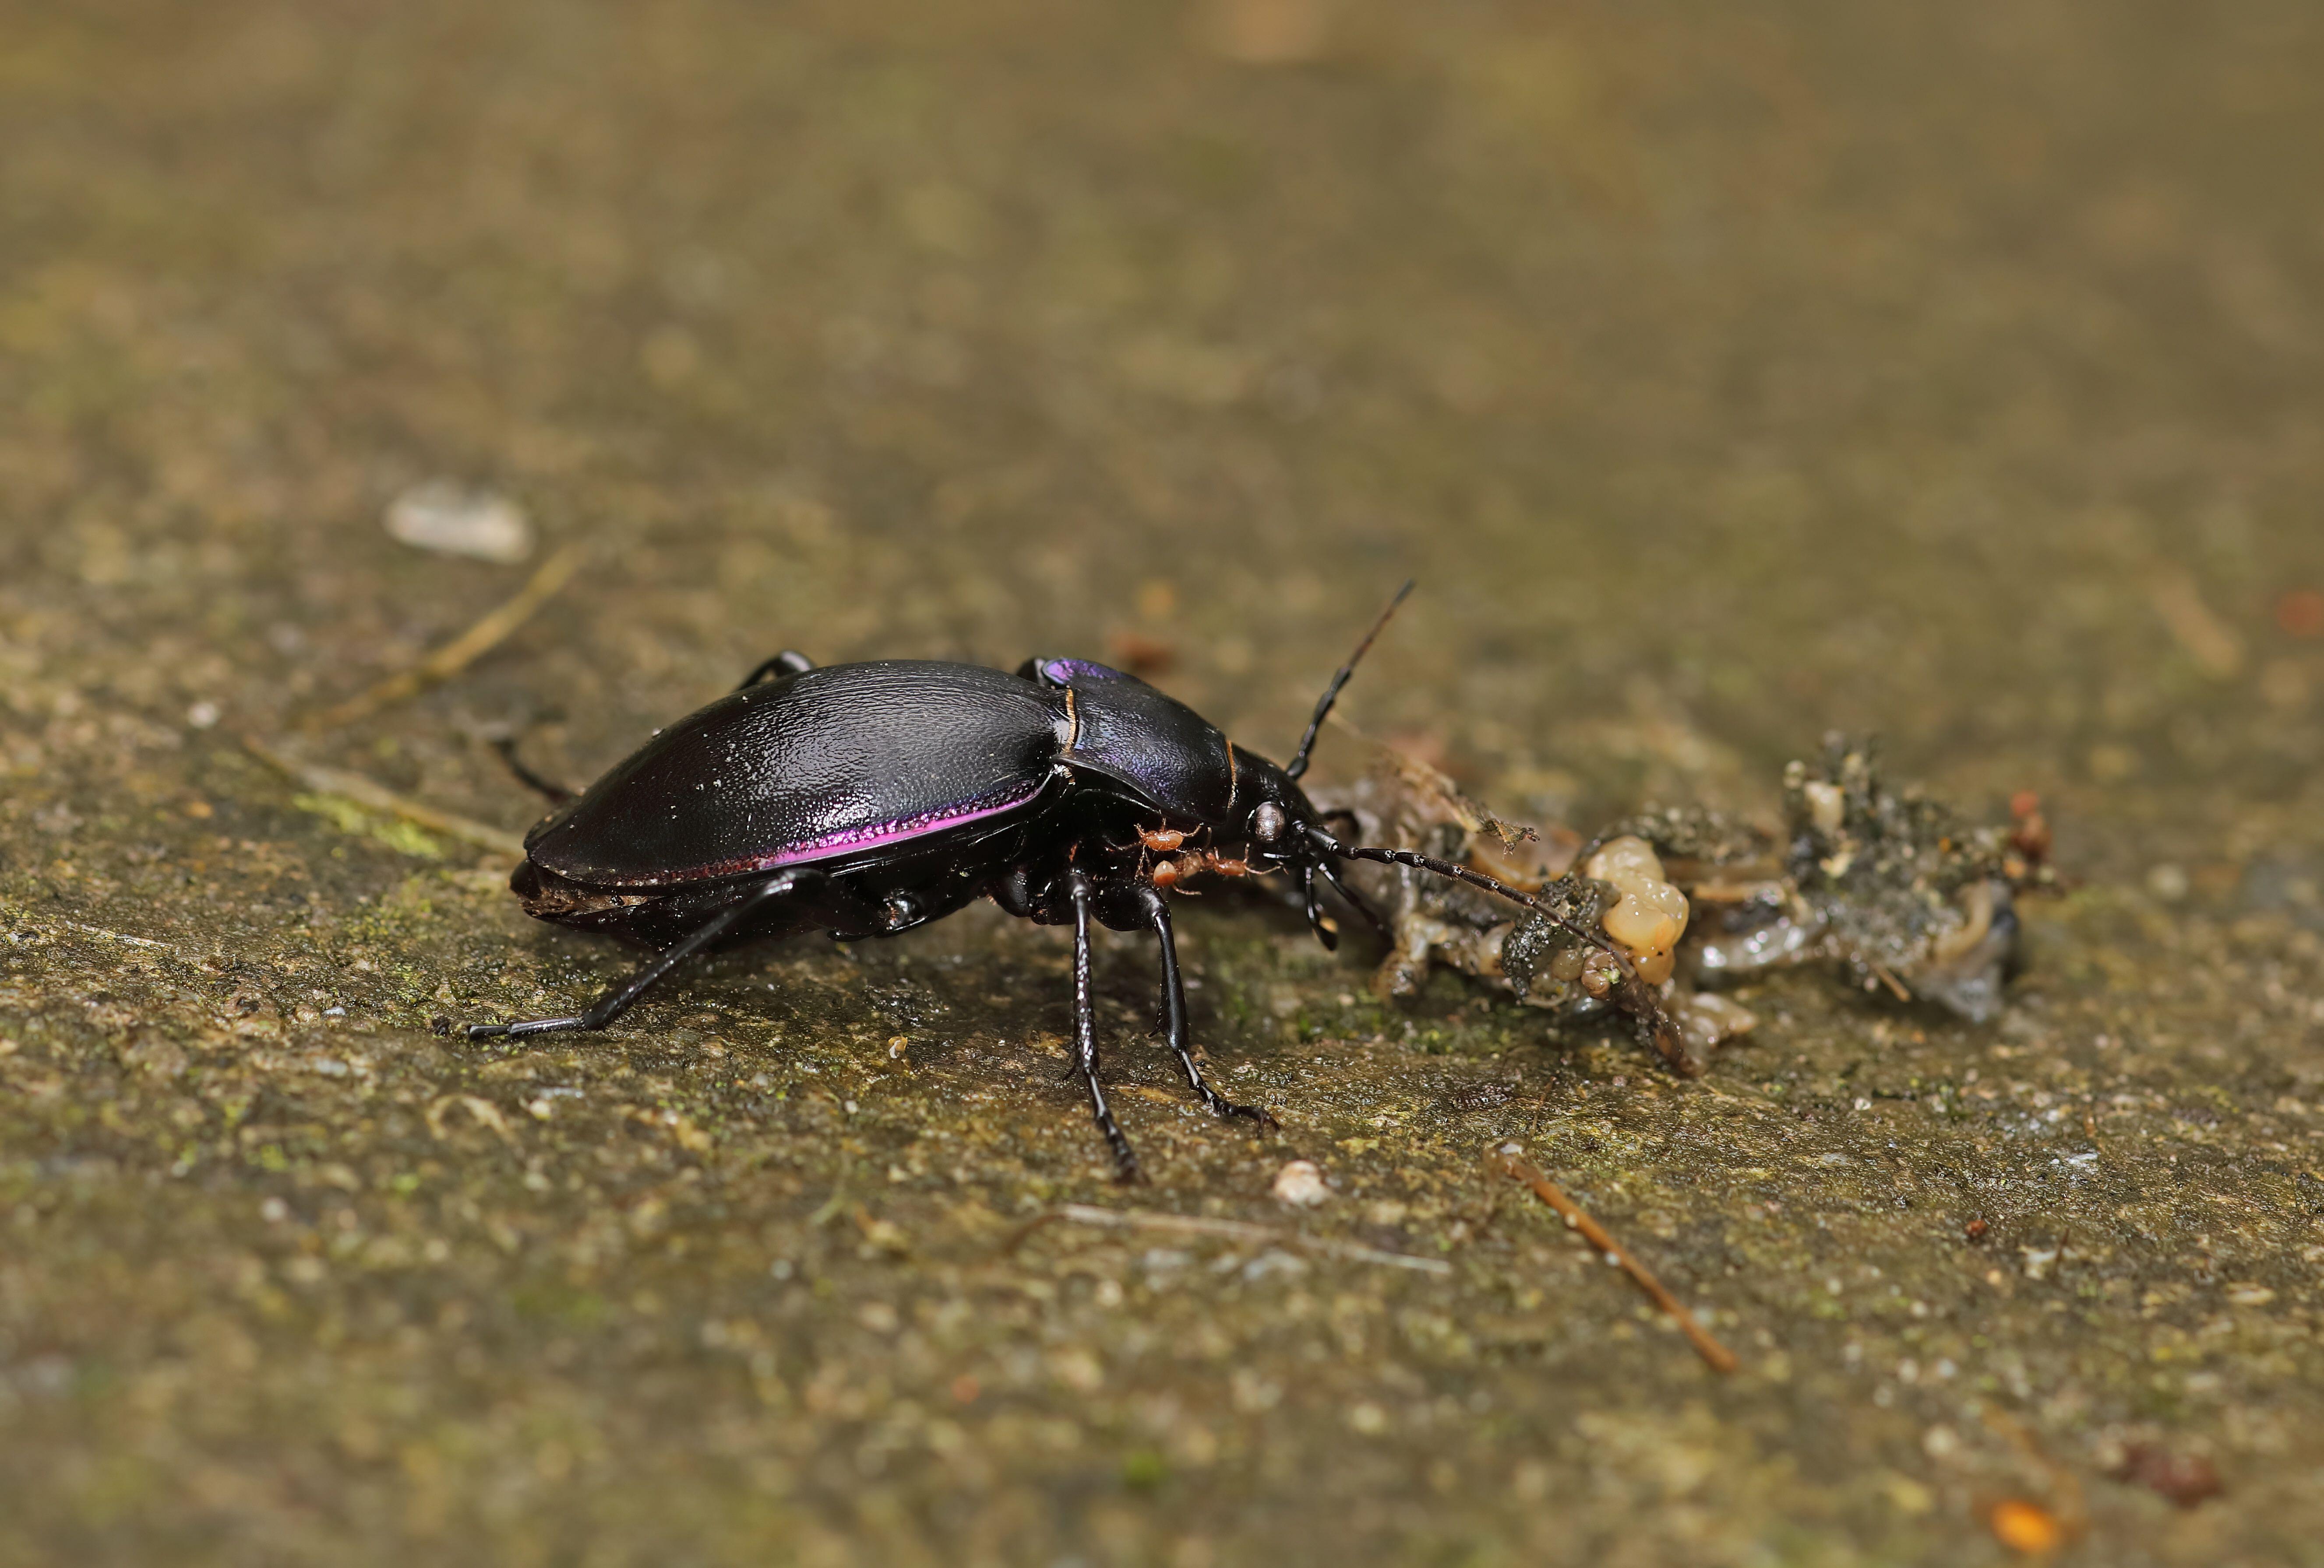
1266 823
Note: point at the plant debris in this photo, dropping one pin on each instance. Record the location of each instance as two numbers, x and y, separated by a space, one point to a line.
1405 802
1886 884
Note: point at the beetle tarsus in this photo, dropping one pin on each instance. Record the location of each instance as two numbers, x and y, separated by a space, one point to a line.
1227 1110
1174 1018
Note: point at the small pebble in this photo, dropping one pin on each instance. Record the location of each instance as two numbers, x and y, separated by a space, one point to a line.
1300 1184
452 520
202 715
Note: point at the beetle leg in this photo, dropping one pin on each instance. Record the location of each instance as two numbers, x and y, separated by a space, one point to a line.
1357 902
1125 1160
616 1001
1326 931
789 661
555 793
1173 1015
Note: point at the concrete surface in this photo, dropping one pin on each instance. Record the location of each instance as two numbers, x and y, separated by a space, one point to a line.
1725 376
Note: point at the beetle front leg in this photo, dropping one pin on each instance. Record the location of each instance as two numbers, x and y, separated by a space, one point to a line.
1125 1159
616 1001
1173 1015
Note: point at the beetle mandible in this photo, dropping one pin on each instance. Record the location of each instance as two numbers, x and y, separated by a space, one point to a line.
865 799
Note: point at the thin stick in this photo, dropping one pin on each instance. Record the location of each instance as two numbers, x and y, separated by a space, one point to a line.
378 796
1895 985
463 649
1231 1230
1509 1160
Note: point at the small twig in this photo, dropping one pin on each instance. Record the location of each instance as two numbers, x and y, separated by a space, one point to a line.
116 935
1509 1160
1231 1230
378 796
462 651
1896 986
2210 641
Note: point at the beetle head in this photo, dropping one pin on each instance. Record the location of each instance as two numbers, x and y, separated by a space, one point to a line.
1281 828
1270 813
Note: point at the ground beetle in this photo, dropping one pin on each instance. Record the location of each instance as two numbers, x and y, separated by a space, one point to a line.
864 799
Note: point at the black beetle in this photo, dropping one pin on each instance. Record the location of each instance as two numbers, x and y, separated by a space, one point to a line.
864 799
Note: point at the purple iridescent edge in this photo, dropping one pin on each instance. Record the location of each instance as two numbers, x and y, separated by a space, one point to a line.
1063 670
873 835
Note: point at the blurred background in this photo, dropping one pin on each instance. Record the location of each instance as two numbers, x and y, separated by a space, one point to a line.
1952 372
1725 374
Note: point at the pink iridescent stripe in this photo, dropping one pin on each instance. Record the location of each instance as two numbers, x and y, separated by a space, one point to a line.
876 833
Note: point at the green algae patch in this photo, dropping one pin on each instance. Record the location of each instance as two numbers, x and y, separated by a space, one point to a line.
360 822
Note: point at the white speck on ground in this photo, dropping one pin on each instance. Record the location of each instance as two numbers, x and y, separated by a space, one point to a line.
453 520
1300 1184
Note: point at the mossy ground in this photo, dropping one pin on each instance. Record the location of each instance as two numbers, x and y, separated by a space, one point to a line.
1725 378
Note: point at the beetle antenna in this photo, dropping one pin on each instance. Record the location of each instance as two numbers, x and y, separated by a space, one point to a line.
1459 873
1332 692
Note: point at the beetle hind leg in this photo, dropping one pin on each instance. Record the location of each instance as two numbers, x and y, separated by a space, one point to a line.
1174 1018
616 1001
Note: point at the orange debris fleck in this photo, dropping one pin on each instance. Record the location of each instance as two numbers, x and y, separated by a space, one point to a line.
2301 611
2026 1528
